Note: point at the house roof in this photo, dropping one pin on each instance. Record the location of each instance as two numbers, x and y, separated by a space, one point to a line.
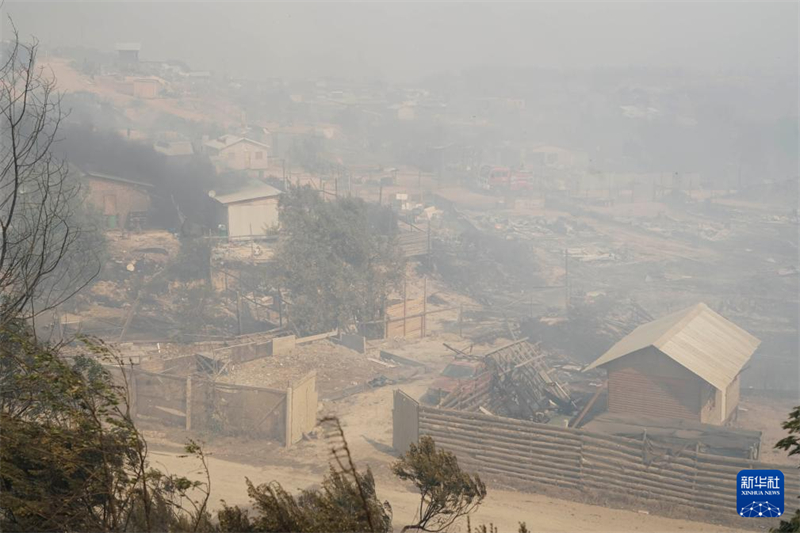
128 47
174 148
109 177
149 79
697 338
251 193
229 140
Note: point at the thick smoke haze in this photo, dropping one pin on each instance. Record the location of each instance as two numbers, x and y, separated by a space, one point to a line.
406 41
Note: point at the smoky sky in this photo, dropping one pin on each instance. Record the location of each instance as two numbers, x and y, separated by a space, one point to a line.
410 40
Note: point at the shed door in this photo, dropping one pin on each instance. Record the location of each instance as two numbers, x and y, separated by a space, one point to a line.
109 204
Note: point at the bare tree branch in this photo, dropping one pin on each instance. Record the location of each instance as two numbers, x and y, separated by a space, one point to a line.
38 199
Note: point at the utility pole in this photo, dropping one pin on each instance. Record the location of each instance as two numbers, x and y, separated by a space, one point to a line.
239 312
419 186
280 308
566 279
424 305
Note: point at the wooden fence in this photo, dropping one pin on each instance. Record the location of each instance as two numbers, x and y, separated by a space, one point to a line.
406 319
543 457
414 244
414 241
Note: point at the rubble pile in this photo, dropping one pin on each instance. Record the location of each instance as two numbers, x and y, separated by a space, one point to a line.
517 383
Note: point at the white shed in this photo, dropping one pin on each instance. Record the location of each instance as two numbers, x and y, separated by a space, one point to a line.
250 212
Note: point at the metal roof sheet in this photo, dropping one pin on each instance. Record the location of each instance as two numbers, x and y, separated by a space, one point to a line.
109 177
130 47
253 193
697 338
174 148
227 140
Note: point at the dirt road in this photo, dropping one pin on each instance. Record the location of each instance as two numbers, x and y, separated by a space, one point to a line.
502 508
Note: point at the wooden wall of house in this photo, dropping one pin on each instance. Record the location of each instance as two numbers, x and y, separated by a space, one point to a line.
244 156
712 402
647 382
732 398
116 200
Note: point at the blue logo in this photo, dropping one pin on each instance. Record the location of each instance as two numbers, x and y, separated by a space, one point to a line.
759 493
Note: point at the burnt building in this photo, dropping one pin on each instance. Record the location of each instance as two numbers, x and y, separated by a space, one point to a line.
685 365
128 53
123 203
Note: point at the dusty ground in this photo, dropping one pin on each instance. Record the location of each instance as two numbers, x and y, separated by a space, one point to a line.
337 368
766 415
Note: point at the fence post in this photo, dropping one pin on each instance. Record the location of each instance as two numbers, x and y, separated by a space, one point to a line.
580 464
424 324
288 424
694 479
189 403
133 396
405 302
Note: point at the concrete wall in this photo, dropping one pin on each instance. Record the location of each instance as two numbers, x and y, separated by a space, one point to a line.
301 413
357 343
247 352
282 345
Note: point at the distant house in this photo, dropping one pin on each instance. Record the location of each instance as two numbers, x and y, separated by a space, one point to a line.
128 53
685 365
552 157
405 111
176 149
122 202
231 152
249 212
150 87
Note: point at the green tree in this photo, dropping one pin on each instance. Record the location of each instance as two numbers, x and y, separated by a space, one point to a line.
347 500
791 444
338 260
337 506
193 261
196 307
71 458
447 493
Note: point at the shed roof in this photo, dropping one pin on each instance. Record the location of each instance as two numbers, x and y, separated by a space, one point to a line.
174 148
251 193
227 140
109 177
697 338
128 47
